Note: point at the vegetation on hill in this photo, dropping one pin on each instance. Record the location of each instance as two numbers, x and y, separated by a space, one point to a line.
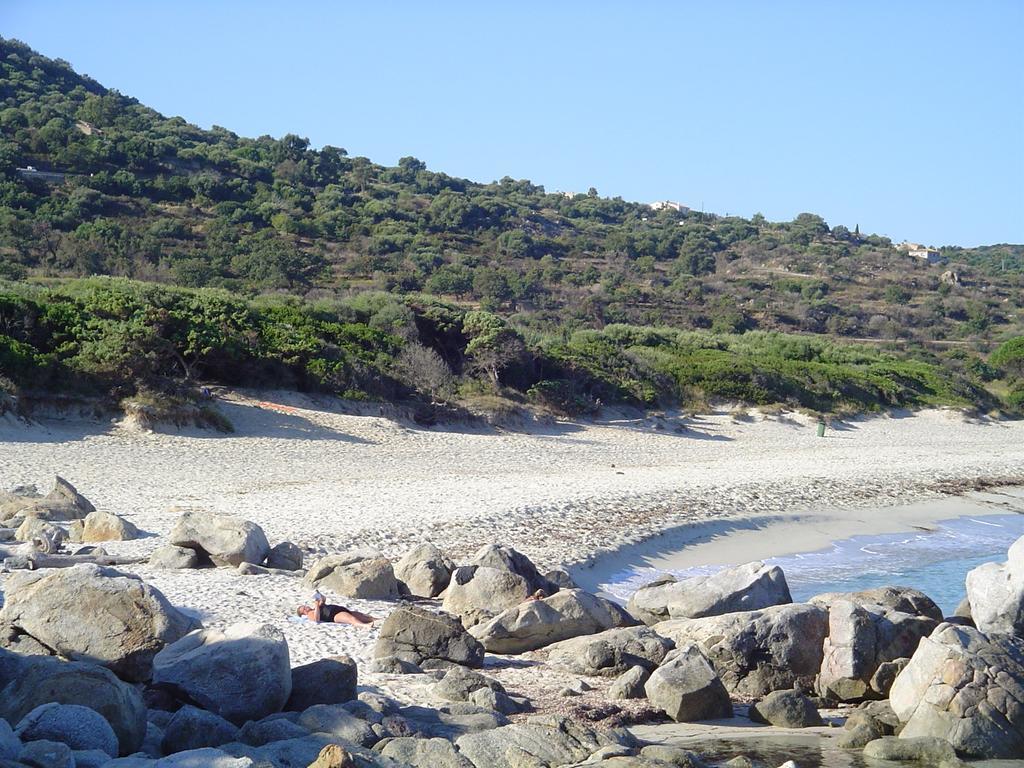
265 261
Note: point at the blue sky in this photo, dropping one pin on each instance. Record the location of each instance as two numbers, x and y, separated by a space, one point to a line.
906 118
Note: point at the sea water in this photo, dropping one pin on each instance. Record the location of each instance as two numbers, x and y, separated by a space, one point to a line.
935 561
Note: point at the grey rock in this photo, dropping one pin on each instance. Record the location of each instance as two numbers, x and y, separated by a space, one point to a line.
425 753
47 537
479 593
47 754
95 614
10 744
611 652
204 758
270 729
674 756
392 665
900 599
359 574
785 709
886 674
424 570
540 741
923 749
757 652
458 683
415 634
241 673
746 587
192 728
72 724
495 700
227 540
687 688
449 722
90 758
285 556
966 687
630 684
537 623
324 681
995 593
337 721
104 526
508 559
172 557
560 578
41 680
63 503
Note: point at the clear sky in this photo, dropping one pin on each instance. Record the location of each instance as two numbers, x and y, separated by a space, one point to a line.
906 117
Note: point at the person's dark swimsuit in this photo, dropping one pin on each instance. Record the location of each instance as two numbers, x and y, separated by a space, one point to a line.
328 612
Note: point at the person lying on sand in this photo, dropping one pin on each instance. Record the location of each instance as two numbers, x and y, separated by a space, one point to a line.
322 612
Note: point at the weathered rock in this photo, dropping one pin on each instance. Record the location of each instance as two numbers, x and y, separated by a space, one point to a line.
498 701
334 756
46 754
665 754
687 688
863 636
560 578
270 729
63 503
95 614
928 750
227 540
90 758
392 665
479 593
336 720
901 599
10 745
285 556
103 526
871 720
785 709
53 537
450 722
170 556
415 634
967 688
325 681
508 559
194 728
611 652
425 753
458 683
746 587
41 680
537 623
358 574
424 571
886 675
242 673
995 593
630 684
540 741
757 652
204 758
72 724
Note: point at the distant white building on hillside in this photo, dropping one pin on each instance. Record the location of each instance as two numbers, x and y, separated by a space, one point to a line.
918 251
670 204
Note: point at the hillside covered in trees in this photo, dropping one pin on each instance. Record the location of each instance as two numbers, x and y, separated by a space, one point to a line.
267 261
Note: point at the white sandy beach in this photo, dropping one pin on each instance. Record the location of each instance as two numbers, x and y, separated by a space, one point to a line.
329 480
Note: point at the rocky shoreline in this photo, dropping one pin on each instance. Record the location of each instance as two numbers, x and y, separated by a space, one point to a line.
481 662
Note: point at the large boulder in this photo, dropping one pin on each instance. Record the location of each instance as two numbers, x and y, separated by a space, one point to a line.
324 681
785 709
424 571
285 556
415 635
924 750
537 623
508 559
746 587
757 652
360 574
41 680
103 526
995 593
479 593
687 688
899 599
63 503
425 753
194 728
95 614
967 688
72 724
612 652
543 740
241 673
862 638
172 557
225 539
335 720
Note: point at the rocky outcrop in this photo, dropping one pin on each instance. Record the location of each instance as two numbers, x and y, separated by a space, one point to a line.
62 504
785 709
95 614
361 574
995 593
546 740
687 688
967 688
72 724
241 673
901 599
103 526
537 623
611 652
225 539
479 593
424 571
324 681
757 652
415 635
743 588
862 638
42 680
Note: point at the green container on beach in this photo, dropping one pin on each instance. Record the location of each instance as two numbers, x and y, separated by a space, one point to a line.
821 429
